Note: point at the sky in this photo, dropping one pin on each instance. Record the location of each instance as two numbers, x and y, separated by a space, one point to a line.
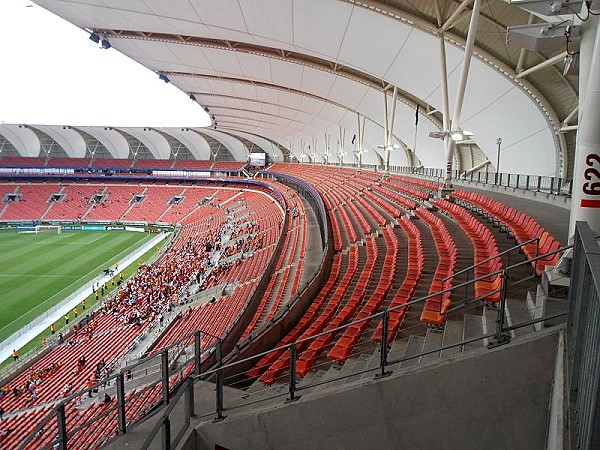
51 73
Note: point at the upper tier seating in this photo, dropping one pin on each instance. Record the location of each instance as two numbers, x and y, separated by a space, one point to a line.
111 162
22 161
153 164
68 162
192 164
228 165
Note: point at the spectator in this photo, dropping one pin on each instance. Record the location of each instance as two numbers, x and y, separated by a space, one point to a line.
15 354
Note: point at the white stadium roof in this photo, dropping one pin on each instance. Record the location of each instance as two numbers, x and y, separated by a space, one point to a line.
293 72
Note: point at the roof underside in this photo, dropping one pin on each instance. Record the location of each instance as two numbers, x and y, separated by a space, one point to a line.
294 73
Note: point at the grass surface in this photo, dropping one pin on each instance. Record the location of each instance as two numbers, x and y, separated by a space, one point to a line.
37 271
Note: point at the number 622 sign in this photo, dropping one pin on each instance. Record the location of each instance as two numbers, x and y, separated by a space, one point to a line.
592 185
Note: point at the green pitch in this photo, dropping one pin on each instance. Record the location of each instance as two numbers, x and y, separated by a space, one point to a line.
38 271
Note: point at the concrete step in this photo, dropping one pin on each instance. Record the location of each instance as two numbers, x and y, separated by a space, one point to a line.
541 304
433 340
414 347
373 363
397 350
516 313
453 332
489 321
472 327
332 373
361 364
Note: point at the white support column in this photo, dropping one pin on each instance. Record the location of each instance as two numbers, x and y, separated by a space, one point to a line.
464 75
359 139
444 83
327 147
585 200
341 151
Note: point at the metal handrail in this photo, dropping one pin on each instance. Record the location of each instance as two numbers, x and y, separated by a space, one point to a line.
518 246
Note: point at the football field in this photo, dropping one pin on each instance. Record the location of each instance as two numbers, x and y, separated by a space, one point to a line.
38 271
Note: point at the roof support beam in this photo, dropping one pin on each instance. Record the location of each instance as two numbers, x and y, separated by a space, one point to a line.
569 128
457 12
570 116
478 166
549 62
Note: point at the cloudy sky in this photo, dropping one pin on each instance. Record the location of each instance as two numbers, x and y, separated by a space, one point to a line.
52 73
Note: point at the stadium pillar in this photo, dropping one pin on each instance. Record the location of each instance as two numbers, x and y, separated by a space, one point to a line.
585 200
460 94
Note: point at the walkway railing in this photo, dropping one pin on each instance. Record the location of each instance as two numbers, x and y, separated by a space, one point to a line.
534 183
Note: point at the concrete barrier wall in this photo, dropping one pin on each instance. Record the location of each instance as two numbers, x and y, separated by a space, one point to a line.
488 399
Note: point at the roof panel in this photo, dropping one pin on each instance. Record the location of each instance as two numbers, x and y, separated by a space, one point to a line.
270 18
253 69
372 41
319 26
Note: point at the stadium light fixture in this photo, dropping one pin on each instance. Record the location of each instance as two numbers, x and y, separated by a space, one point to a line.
456 136
192 97
94 37
163 77
105 44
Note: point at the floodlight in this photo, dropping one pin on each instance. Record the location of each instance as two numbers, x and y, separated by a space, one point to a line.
192 97
94 37
206 109
164 78
105 44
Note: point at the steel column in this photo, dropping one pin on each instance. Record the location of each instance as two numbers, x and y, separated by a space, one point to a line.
464 75
585 202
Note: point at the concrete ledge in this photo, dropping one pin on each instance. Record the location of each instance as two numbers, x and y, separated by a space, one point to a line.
492 399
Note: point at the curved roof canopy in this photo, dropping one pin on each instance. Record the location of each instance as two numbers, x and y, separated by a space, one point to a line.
302 72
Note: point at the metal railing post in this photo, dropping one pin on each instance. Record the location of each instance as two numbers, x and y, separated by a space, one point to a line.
293 377
383 357
166 434
219 382
61 422
539 184
197 353
189 406
164 356
501 337
121 403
